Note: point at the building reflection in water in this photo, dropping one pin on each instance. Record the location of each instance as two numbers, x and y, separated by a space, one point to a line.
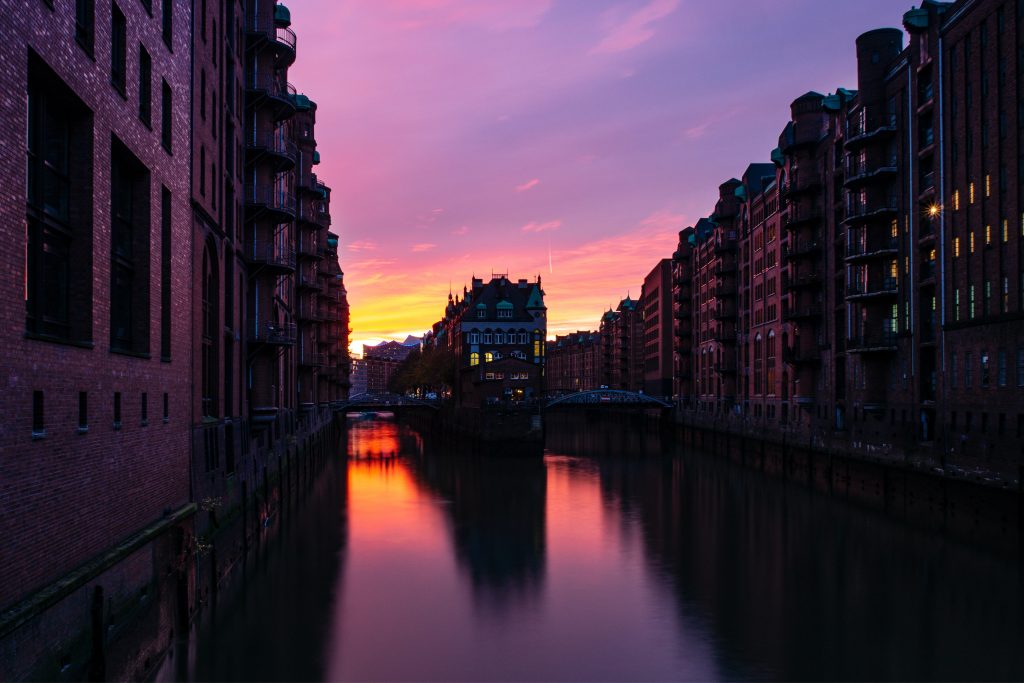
795 585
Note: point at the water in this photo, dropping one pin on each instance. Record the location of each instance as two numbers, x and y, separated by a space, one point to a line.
608 560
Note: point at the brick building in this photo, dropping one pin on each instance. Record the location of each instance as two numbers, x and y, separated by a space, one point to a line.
622 346
573 362
880 283
656 304
94 444
497 332
166 355
381 361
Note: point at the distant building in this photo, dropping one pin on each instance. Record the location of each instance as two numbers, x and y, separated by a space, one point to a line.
622 362
358 376
656 304
496 332
381 361
574 362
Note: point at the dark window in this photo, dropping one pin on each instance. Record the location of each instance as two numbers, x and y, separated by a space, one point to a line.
117 410
58 284
145 408
85 24
148 6
165 274
167 408
38 425
83 411
202 94
202 171
145 86
168 14
165 115
210 297
129 268
118 49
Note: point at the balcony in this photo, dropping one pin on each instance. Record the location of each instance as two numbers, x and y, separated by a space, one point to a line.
879 342
927 272
799 216
308 249
875 287
272 333
865 249
306 279
724 269
723 335
310 311
860 213
265 198
858 175
798 313
868 128
274 146
801 184
267 87
725 246
263 31
725 288
801 281
801 249
797 356
270 258
310 359
724 311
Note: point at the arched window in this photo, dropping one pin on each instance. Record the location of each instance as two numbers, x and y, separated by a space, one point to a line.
474 358
770 364
488 357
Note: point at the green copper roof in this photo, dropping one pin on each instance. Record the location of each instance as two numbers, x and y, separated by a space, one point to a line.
777 156
282 16
316 157
302 103
536 299
504 304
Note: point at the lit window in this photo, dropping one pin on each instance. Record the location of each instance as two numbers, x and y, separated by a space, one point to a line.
970 302
971 240
488 357
988 185
970 193
956 246
894 228
956 202
988 234
474 358
1006 230
1006 294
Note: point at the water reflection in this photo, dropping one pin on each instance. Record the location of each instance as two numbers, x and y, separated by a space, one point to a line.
613 558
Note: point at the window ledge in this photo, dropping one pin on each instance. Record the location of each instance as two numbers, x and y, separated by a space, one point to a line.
134 354
39 336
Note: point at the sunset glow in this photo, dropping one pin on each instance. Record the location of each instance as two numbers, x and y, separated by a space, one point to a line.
570 139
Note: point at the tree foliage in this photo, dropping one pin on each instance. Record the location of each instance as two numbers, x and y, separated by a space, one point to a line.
424 371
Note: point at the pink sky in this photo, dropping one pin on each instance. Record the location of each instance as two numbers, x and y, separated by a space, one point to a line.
566 138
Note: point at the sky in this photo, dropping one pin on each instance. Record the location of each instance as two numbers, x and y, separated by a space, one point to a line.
570 139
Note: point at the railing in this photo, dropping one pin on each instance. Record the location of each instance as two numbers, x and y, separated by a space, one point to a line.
271 83
863 126
270 197
795 356
800 280
307 246
272 332
800 248
723 269
888 286
276 142
285 36
307 279
307 357
800 312
724 311
270 254
871 208
861 247
884 340
797 216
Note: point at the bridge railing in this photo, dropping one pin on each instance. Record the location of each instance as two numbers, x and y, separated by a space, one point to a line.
609 397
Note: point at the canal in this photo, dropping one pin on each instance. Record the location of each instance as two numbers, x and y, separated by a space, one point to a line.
611 558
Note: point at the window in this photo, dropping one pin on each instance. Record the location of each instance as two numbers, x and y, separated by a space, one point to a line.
1005 299
953 371
165 274
988 234
956 200
522 338
970 239
504 312
118 49
488 357
144 408
474 359
1020 366
85 27
1001 368
986 310
481 313
83 412
166 118
129 268
58 257
202 94
984 369
168 19
499 337
970 193
474 337
167 409
117 410
988 185
145 86
968 369
488 338
38 425
956 247
970 302
210 297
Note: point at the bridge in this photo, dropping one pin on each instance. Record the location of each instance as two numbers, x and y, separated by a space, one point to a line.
383 402
608 398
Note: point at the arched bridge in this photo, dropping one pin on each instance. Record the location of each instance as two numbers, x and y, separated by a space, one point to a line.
383 402
608 397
